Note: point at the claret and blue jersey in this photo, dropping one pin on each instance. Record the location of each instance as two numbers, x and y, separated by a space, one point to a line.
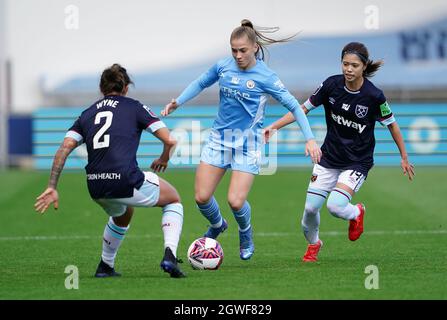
111 129
350 119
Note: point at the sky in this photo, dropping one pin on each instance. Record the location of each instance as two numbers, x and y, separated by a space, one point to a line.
48 41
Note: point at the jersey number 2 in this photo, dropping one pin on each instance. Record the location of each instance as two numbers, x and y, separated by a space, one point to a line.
106 141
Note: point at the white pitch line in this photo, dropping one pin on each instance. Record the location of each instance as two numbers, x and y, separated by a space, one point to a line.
74 237
343 233
257 234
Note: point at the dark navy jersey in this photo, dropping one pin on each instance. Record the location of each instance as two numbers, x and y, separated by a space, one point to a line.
350 120
111 129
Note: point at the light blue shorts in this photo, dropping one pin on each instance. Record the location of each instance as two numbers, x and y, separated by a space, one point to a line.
146 196
225 157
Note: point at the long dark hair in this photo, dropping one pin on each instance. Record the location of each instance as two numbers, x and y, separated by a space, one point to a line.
114 79
360 50
257 35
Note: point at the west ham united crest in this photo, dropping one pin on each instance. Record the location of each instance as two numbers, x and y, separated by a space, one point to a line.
361 111
314 177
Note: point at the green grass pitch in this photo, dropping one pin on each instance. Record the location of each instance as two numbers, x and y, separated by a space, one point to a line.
405 238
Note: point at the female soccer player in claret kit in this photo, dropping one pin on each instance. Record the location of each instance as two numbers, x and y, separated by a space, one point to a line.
236 137
352 106
111 129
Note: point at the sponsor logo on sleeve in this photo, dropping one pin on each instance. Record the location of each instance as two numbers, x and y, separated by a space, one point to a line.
385 109
149 111
279 84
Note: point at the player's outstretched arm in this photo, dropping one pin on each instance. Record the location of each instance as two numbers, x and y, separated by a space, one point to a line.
169 108
50 195
313 150
270 130
169 143
407 167
192 90
287 119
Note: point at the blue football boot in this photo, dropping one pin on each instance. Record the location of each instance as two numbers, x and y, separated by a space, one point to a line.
247 247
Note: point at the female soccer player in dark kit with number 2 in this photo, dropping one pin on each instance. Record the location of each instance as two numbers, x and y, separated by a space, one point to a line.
111 129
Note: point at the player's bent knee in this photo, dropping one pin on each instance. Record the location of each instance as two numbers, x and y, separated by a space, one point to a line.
314 201
124 219
236 202
311 209
168 194
175 197
202 198
336 203
175 207
334 209
168 198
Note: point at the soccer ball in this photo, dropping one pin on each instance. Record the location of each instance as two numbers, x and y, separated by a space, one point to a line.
205 254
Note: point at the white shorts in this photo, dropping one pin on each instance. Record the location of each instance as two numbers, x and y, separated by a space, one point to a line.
325 179
146 196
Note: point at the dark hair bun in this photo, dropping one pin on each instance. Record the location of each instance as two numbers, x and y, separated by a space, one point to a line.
247 23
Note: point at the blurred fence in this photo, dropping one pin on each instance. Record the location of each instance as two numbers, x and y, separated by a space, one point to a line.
424 128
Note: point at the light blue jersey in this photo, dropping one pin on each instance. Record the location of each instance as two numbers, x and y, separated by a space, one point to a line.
235 140
244 94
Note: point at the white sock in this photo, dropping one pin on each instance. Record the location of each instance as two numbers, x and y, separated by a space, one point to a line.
339 205
311 217
112 238
350 212
171 224
310 224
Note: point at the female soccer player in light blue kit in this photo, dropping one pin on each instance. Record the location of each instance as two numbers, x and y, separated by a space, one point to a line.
236 137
